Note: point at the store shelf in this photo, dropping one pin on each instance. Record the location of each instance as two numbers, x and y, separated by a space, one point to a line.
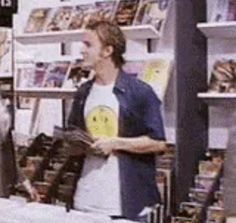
218 99
59 93
132 32
218 30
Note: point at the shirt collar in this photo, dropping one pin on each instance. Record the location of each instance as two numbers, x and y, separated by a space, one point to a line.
121 82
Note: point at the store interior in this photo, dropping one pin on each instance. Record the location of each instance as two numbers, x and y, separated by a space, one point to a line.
184 51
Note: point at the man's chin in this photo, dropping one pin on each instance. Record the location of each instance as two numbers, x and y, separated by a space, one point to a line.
87 66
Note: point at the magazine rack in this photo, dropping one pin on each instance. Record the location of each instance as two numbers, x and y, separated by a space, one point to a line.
131 32
218 30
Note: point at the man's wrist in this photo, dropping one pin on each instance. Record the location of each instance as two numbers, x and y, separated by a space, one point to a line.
27 184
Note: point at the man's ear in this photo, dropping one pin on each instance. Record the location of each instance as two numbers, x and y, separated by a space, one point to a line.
107 51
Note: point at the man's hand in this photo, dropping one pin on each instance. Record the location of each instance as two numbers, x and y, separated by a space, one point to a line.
105 145
34 195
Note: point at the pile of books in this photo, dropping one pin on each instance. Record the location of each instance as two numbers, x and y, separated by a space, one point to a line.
51 171
164 173
206 196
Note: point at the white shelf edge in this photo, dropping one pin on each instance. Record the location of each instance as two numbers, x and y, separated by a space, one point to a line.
218 98
57 93
132 32
218 30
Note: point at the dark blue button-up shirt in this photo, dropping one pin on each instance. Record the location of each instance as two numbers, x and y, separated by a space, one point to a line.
139 115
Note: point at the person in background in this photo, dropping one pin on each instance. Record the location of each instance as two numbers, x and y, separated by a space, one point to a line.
123 115
9 172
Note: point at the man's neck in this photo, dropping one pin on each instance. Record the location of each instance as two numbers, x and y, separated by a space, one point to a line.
106 74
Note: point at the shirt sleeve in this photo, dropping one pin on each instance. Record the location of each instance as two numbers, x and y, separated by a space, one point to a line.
152 116
74 112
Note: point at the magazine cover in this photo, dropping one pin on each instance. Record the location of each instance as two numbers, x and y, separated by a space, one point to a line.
25 79
198 195
5 52
77 75
81 16
219 11
56 74
204 182
219 198
190 210
223 77
60 19
105 10
215 214
25 75
37 20
126 11
134 67
152 12
40 73
231 14
157 74
208 168
180 219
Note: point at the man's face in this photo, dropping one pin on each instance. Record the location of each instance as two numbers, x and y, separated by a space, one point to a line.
92 49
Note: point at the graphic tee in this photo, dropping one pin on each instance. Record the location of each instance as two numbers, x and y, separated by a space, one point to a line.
98 189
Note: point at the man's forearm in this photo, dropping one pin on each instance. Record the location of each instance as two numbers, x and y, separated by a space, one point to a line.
142 144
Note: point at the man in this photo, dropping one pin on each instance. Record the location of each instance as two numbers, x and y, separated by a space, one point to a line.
123 115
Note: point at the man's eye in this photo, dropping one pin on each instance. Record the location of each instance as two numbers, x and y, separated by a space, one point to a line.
86 43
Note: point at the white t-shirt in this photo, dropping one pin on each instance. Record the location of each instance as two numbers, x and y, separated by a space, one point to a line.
98 189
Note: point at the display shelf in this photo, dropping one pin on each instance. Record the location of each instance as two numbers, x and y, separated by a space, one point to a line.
218 30
132 32
60 93
218 99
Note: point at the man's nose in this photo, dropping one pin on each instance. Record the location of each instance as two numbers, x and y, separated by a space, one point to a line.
83 48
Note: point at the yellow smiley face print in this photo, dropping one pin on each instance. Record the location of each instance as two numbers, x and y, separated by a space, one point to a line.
102 121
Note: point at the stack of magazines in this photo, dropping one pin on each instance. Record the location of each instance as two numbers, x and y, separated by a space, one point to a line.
206 196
